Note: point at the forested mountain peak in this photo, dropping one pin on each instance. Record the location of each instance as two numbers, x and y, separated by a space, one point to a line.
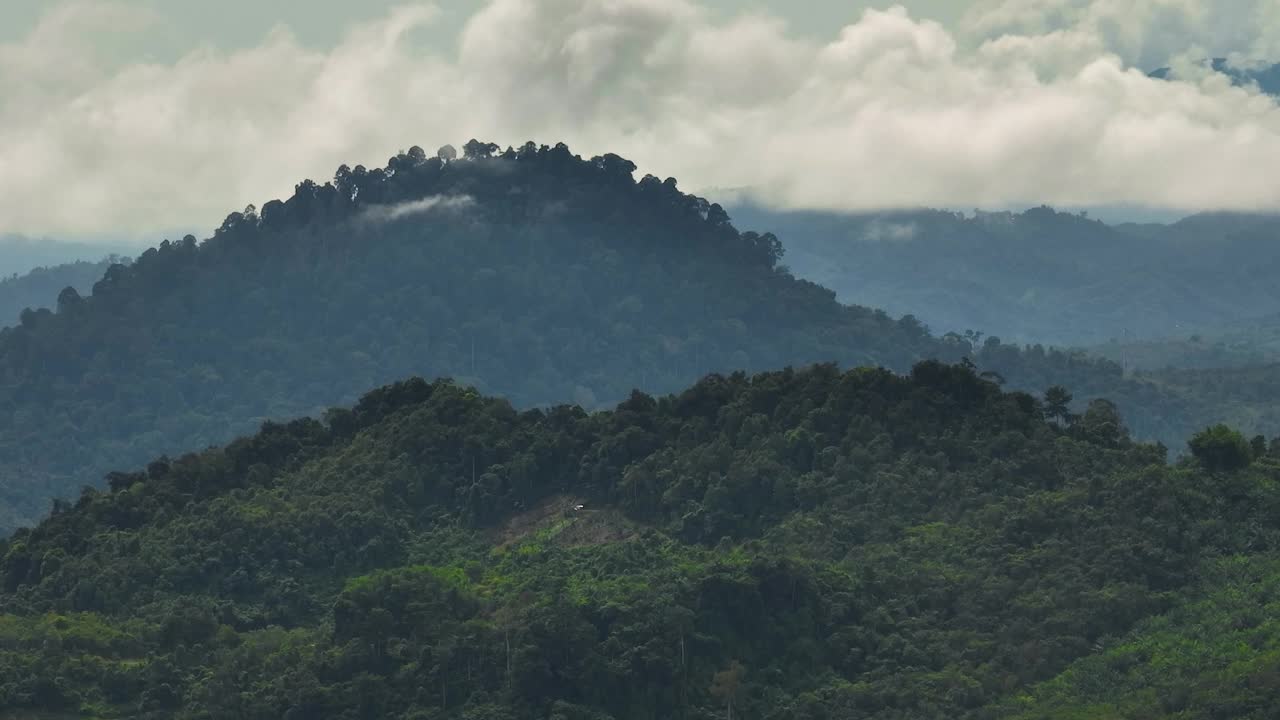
530 272
801 543
529 183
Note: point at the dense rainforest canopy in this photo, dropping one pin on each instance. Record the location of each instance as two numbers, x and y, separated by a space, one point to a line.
535 274
532 273
798 544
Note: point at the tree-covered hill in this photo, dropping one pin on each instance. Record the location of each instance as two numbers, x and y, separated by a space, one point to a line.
1039 276
533 273
1255 341
1216 655
1243 396
799 544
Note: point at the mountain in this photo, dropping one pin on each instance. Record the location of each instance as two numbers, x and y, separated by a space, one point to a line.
797 544
39 288
1040 276
532 274
20 254
1254 341
1234 345
1233 393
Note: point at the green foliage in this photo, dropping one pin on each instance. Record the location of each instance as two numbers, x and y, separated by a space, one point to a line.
797 544
1057 404
1221 448
1215 656
1243 397
535 274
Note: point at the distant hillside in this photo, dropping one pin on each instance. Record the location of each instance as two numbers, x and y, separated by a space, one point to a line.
39 288
1228 346
1245 396
803 545
1039 276
20 254
1253 341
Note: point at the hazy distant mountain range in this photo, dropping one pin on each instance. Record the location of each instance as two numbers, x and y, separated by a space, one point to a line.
1040 275
40 287
19 254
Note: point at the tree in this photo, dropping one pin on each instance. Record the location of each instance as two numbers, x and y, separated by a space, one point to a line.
509 619
1101 423
1057 404
1259 446
613 166
727 685
476 150
447 153
770 247
1221 449
69 300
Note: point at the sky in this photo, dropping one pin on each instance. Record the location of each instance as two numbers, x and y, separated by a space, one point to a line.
127 118
242 23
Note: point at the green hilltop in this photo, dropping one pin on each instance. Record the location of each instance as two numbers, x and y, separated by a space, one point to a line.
804 544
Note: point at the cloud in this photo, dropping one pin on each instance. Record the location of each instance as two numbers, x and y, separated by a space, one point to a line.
434 203
1144 33
881 231
65 53
1027 101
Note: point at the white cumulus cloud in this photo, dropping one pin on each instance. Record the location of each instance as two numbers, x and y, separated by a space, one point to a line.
1027 101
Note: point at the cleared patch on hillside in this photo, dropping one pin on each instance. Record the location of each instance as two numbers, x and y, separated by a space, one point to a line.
565 521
